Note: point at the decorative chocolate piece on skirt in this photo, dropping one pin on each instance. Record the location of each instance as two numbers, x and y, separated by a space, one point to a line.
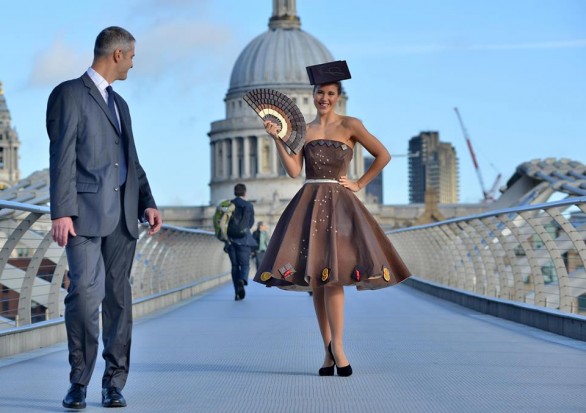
265 276
357 273
386 274
325 274
277 107
286 271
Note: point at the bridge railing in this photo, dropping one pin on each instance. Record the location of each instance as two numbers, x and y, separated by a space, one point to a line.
33 268
533 254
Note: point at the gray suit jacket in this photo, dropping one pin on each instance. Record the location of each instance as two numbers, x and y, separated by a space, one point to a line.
84 158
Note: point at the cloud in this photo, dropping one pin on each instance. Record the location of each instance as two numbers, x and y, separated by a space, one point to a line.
182 49
170 43
57 63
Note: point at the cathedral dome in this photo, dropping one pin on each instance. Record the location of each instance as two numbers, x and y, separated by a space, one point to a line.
278 57
241 150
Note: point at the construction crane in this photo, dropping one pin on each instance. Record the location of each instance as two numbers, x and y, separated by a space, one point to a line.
489 195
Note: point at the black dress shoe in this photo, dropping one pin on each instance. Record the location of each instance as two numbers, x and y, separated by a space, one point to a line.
75 397
111 397
240 291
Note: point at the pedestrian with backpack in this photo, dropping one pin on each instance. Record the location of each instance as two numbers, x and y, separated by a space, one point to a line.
240 241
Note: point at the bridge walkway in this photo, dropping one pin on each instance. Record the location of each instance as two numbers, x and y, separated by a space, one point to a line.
410 352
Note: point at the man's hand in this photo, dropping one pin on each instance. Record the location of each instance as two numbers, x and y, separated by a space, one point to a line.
61 229
153 216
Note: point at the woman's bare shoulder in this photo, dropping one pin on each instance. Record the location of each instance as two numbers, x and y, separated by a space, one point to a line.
351 121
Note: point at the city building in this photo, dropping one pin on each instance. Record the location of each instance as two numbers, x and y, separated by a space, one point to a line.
374 189
435 167
9 145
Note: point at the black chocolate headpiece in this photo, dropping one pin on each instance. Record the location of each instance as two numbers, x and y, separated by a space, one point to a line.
328 72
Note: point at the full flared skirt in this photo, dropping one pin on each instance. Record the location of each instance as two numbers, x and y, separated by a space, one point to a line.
326 236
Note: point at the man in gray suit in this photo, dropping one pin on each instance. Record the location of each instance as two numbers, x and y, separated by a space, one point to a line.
98 192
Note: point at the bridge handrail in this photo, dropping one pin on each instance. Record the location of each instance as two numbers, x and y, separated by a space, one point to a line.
33 268
19 206
533 254
523 208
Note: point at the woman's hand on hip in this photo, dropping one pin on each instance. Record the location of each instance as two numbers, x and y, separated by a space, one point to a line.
354 186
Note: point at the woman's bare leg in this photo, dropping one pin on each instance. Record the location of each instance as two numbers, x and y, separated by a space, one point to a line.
334 305
322 320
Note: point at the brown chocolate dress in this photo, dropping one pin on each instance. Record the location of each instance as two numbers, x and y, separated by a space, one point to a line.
326 236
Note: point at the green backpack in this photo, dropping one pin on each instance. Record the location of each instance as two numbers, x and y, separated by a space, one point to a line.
222 216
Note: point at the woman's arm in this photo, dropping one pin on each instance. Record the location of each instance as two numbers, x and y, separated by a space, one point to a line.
291 162
373 146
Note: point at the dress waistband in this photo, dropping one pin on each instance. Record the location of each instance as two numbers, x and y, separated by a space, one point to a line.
321 181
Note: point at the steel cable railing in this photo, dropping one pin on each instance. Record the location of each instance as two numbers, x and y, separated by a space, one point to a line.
533 254
33 269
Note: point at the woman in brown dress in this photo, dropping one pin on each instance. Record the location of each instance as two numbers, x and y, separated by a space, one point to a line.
326 239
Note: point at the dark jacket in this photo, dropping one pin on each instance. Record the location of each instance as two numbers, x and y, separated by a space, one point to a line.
247 240
84 160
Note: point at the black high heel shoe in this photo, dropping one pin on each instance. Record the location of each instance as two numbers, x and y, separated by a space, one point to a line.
328 371
342 371
345 371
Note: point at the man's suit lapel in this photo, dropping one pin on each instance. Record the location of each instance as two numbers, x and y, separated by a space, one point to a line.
97 96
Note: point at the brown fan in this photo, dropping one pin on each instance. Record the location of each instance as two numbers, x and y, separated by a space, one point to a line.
273 105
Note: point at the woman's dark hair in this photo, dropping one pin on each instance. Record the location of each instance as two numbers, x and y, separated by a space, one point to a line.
338 85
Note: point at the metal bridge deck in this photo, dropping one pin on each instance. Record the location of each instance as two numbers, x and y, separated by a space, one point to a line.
410 352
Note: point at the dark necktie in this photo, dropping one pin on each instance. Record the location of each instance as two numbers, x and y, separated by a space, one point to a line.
122 163
112 106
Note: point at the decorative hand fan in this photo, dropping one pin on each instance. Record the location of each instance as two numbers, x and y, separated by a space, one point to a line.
273 105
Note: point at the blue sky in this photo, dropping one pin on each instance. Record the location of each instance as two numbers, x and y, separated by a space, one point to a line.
516 69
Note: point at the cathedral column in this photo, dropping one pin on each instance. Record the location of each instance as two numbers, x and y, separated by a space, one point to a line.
259 170
234 152
246 154
274 161
214 152
225 159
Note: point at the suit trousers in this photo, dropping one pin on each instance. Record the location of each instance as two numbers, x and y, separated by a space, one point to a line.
99 273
